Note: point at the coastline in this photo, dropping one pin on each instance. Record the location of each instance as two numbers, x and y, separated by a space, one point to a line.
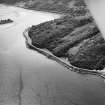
53 57
61 62
42 78
32 9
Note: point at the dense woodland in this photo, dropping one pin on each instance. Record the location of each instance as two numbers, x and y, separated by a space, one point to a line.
78 40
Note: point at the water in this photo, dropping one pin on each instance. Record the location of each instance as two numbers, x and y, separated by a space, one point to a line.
29 78
97 9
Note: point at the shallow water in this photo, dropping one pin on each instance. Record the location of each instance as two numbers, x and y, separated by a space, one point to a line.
29 78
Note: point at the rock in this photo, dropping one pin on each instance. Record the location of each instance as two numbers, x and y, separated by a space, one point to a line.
90 54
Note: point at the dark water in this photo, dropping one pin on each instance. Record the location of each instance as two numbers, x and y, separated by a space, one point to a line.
29 78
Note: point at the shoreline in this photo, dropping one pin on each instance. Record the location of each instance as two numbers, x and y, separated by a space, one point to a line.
58 60
43 78
52 57
45 11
